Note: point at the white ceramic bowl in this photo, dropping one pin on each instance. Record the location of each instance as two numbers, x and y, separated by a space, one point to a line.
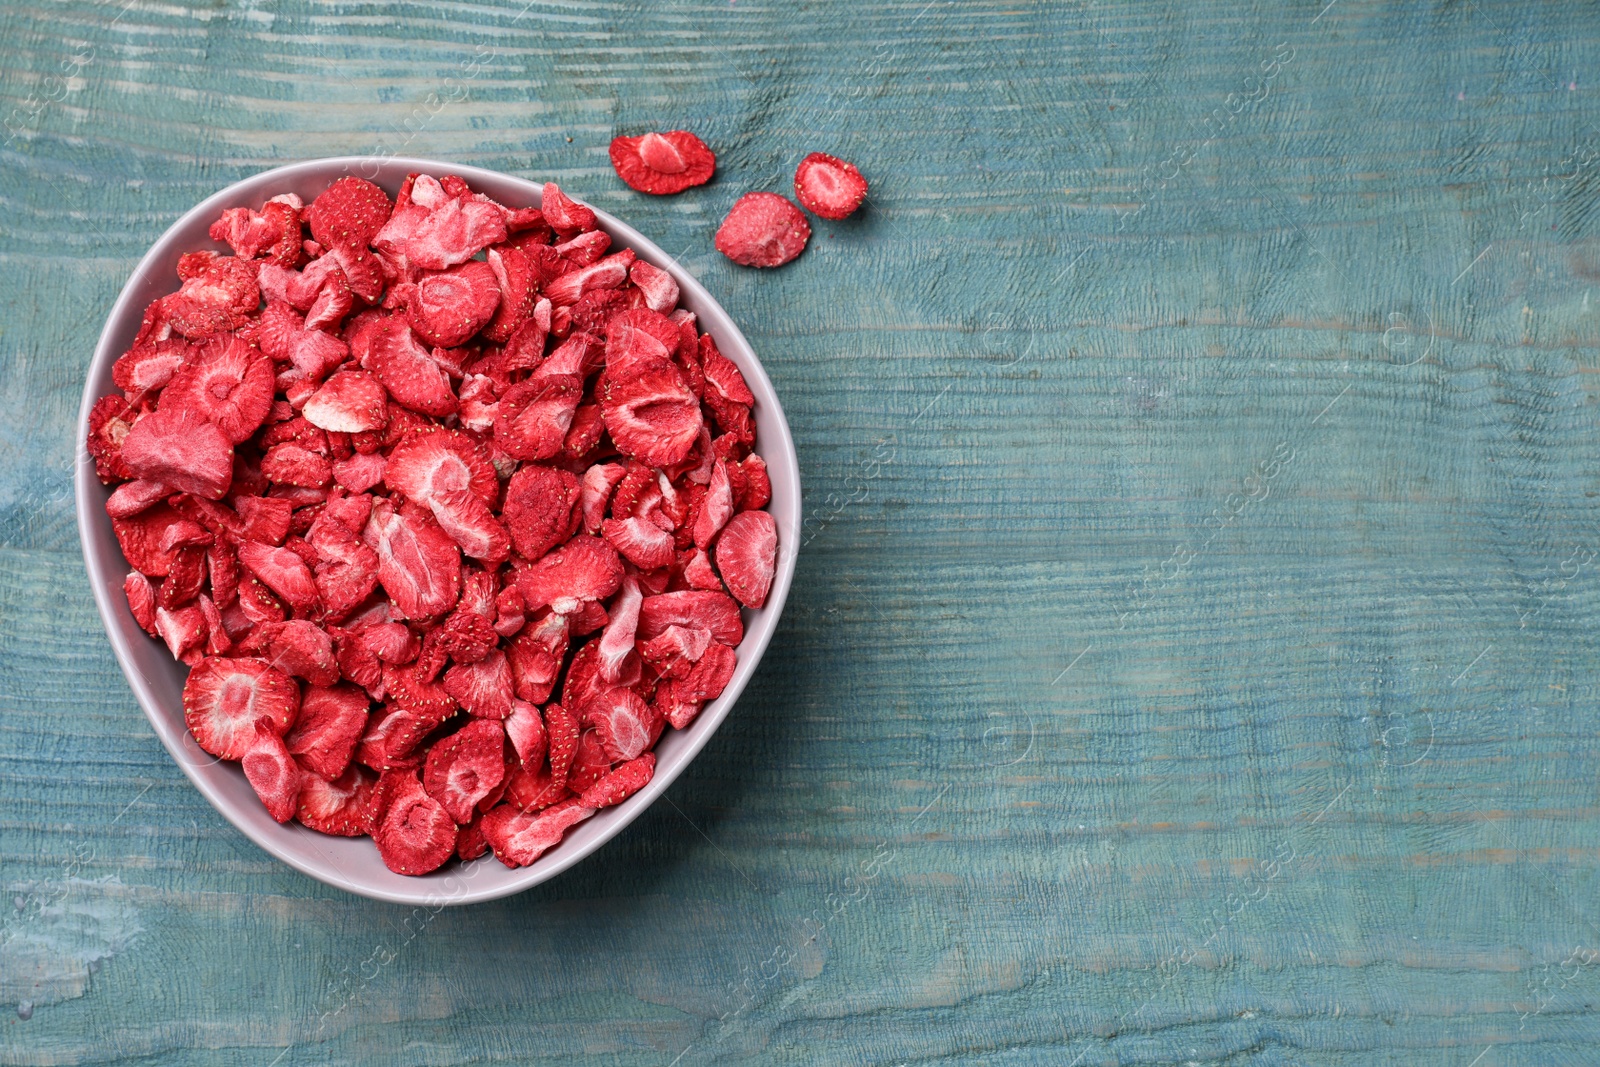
157 680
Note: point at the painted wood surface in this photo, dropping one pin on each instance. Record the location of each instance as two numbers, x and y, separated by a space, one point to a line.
1192 658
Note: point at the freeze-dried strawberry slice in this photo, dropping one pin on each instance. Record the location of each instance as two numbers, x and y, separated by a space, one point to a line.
109 422
223 698
534 416
723 374
675 652
535 655
352 401
417 834
470 842
662 163
716 509
659 289
363 652
531 787
763 230
652 416
346 570
465 767
757 492
589 762
410 374
283 336
181 449
608 273
271 771
525 730
437 461
638 340
434 230
641 542
699 573
562 729
141 601
710 674
515 276
541 508
598 482
291 465
450 306
625 724
342 806
184 579
746 555
140 539
295 647
350 212
518 838
183 629
282 571
148 366
828 186
220 297
565 215
584 569
616 643
331 721
621 783
274 230
419 566
586 248
590 617
483 688
525 348
130 498
716 612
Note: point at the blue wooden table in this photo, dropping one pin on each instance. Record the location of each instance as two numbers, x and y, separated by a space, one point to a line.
1192 657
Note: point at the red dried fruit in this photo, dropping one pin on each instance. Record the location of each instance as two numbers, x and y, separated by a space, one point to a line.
746 555
271 771
407 370
624 723
352 401
828 186
223 699
565 215
282 571
621 783
218 298
417 834
652 416
562 728
181 449
484 688
641 542
109 422
589 762
616 643
659 289
534 416
465 767
716 612
715 509
450 306
419 566
331 721
536 655
662 163
763 230
525 730
342 806
518 838
348 213
583 569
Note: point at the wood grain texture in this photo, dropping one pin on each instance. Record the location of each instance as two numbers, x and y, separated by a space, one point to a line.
1193 654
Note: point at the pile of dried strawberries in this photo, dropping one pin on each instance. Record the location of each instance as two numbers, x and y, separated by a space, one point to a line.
383 486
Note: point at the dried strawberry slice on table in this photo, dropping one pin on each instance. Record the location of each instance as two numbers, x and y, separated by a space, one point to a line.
828 186
663 163
224 698
763 230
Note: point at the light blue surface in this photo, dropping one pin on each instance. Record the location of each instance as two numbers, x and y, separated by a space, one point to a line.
1191 658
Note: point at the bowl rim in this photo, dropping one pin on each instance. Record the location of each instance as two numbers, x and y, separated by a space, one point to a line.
89 496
